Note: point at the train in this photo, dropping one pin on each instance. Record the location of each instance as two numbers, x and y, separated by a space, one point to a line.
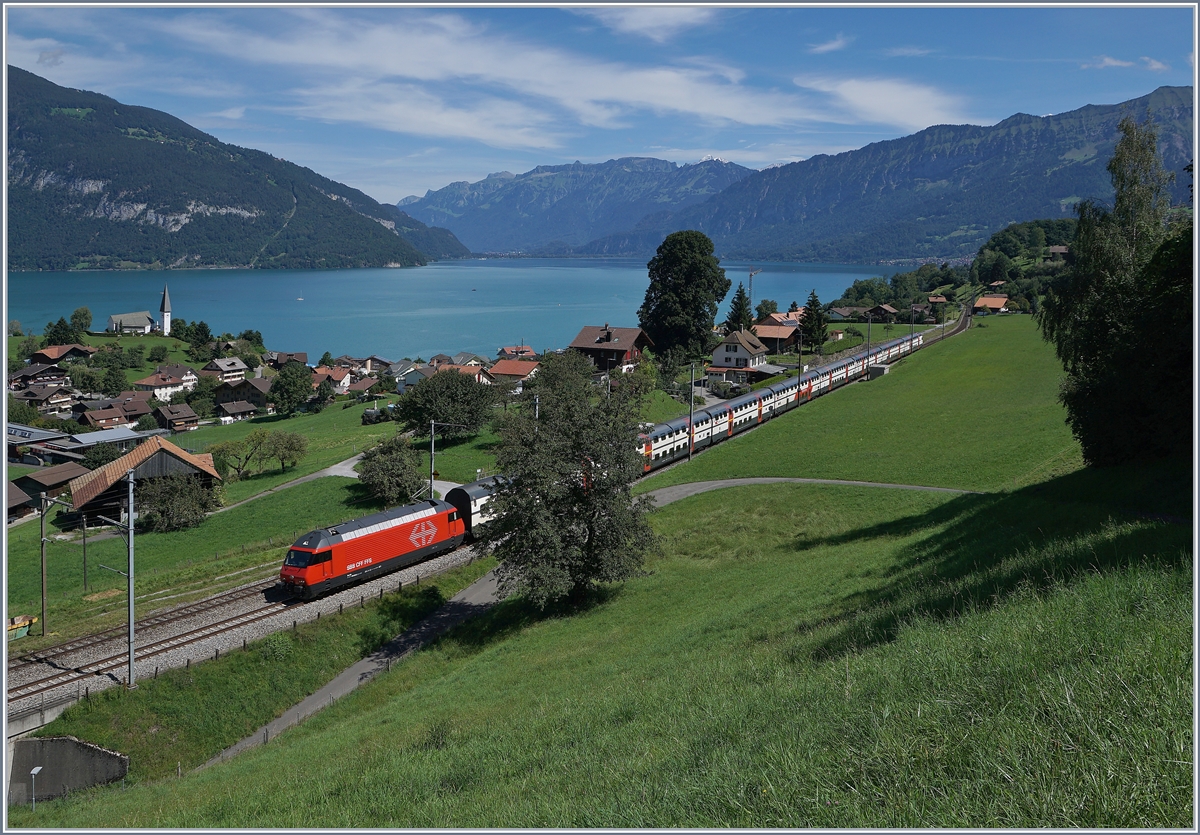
329 558
673 440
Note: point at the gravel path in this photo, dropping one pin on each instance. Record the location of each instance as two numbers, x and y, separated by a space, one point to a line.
665 495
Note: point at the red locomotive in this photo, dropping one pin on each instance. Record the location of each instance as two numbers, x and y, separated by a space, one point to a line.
351 552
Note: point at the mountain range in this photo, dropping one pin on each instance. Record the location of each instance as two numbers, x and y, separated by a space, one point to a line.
93 183
557 207
937 194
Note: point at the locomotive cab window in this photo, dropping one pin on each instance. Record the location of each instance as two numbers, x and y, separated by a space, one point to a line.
298 559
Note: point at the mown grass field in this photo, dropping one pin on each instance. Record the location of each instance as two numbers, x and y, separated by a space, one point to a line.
809 656
977 412
227 549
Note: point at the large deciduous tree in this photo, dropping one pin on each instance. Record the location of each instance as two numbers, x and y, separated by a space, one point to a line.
566 520
1120 316
291 387
687 285
392 470
449 397
174 502
81 322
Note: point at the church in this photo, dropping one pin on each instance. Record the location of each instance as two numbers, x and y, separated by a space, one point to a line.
140 321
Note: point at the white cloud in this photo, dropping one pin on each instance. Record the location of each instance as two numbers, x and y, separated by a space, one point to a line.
1155 66
232 113
889 101
1104 62
448 57
840 42
658 23
906 52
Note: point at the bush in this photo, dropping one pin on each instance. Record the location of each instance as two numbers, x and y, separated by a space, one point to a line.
173 503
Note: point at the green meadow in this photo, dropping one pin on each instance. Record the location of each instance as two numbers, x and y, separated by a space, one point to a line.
977 412
810 656
794 656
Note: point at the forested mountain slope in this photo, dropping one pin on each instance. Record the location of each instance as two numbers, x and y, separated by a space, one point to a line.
936 194
555 207
96 183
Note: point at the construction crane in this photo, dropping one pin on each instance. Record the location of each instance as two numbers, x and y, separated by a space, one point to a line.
753 272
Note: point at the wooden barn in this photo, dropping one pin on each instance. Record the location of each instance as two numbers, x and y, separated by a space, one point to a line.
104 490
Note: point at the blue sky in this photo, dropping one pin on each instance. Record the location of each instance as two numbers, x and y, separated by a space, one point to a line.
397 100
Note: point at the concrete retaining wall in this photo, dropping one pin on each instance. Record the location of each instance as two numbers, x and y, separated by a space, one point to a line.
67 765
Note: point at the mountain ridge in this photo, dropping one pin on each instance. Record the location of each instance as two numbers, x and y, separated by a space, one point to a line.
94 183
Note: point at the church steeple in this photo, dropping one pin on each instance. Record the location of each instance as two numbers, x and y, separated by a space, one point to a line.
165 310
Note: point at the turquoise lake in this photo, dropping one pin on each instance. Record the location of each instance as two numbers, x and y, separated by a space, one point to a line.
444 307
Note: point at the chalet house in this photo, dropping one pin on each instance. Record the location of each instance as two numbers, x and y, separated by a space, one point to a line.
938 299
61 353
37 375
476 372
339 378
836 336
792 317
168 380
237 410
1058 253
991 304
883 313
467 358
228 370
399 369
841 314
517 371
361 387
516 352
104 490
103 418
440 359
137 322
254 390
778 335
738 358
374 364
278 359
414 376
46 399
612 348
179 418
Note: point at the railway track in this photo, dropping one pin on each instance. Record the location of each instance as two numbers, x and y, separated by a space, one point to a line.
108 665
55 655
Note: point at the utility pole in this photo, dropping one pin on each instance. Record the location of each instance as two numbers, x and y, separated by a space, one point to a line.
131 681
43 523
692 413
85 587
431 425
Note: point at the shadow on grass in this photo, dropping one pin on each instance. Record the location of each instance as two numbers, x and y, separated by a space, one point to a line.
980 550
515 614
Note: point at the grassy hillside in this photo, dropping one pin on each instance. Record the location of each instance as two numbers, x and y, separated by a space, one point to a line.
810 656
977 412
796 655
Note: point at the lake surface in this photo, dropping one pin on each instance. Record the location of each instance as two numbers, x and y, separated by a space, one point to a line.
445 307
